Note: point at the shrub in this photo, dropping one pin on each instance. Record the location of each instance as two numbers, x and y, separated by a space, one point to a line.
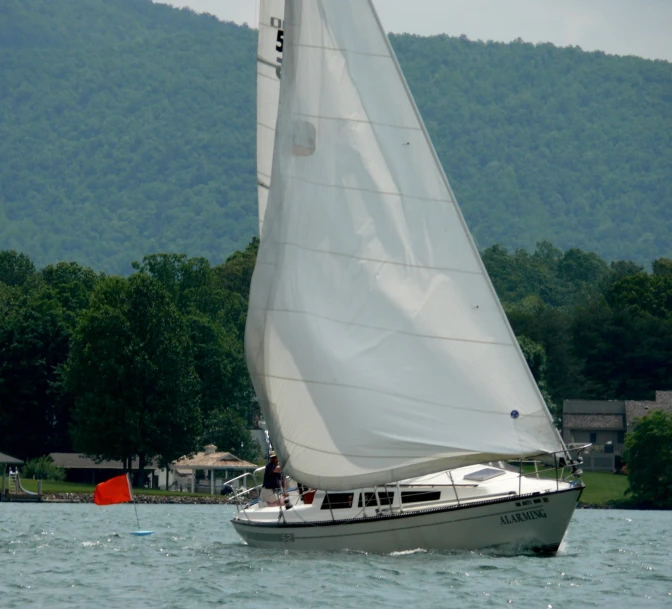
649 460
43 468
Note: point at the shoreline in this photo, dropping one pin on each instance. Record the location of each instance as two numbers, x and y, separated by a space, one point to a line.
148 499
218 500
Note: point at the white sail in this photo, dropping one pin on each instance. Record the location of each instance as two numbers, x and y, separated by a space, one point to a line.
269 59
376 343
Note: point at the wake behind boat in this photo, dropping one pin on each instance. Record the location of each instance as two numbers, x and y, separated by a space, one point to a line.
378 349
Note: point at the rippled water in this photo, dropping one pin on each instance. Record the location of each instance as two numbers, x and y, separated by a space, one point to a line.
82 556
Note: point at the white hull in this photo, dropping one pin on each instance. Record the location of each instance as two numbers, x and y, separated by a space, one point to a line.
530 521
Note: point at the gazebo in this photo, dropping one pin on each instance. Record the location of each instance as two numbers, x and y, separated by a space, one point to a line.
211 461
6 460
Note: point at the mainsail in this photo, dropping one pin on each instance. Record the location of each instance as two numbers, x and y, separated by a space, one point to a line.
269 60
376 343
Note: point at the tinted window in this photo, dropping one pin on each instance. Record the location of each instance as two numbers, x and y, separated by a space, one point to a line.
419 496
385 498
337 501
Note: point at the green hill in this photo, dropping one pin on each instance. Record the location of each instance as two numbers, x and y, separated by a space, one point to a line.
128 127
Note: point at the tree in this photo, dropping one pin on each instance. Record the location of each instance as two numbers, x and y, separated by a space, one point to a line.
235 274
43 468
662 267
72 284
535 356
15 268
624 352
33 346
643 294
131 373
549 327
579 266
648 456
187 280
226 430
220 365
623 268
197 289
215 315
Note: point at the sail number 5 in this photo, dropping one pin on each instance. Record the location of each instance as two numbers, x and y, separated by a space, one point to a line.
279 41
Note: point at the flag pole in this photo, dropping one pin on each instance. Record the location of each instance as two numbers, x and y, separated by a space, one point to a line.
135 507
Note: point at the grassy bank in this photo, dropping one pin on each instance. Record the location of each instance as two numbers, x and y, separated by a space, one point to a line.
73 487
605 490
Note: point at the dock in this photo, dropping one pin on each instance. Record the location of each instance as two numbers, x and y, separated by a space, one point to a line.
11 489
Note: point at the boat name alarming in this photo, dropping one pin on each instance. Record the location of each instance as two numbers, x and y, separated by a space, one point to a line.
522 516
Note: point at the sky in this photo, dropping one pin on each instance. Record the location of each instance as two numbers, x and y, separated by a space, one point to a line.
618 27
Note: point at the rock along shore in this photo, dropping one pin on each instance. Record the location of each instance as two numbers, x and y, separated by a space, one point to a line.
158 499
212 500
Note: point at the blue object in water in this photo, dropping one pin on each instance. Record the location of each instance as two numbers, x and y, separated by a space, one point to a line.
142 533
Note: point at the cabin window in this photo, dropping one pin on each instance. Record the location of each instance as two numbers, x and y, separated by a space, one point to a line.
593 437
337 501
385 498
420 496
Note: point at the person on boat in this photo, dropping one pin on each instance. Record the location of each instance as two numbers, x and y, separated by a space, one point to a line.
272 482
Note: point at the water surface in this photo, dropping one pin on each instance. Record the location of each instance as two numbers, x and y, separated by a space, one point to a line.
82 556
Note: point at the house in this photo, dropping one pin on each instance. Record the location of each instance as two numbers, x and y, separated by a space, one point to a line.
182 475
604 424
637 410
598 422
79 468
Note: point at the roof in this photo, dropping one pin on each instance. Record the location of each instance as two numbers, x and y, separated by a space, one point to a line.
9 460
593 422
75 461
638 409
213 460
607 407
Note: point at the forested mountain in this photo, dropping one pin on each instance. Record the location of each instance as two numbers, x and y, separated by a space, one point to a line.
128 128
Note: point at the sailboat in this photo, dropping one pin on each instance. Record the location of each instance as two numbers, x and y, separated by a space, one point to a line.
391 382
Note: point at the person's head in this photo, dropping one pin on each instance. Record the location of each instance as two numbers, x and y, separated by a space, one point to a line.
273 457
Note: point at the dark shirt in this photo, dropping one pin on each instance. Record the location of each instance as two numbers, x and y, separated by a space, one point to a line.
272 480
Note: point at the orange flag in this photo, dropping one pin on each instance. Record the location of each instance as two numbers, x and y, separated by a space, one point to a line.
115 490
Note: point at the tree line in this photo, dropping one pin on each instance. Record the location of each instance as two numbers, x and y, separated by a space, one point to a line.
599 330
148 366
152 366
